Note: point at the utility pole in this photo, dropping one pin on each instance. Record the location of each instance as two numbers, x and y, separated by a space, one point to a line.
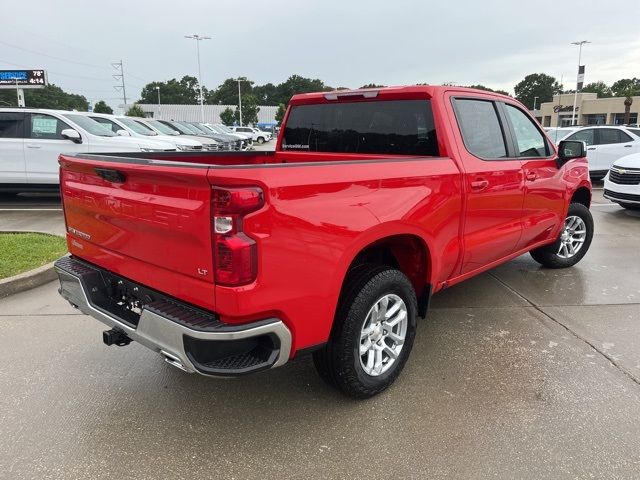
158 90
120 76
240 79
198 39
535 101
20 94
579 78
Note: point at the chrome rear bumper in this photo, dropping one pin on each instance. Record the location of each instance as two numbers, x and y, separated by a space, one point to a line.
207 346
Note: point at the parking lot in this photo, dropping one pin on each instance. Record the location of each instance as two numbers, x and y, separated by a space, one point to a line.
521 372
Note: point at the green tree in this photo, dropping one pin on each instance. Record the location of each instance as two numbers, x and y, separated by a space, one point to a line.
298 84
135 111
628 95
250 110
372 85
50 96
599 87
623 87
538 85
227 93
282 109
174 92
487 89
102 107
228 116
265 94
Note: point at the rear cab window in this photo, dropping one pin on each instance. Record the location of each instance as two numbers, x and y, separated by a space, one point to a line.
383 127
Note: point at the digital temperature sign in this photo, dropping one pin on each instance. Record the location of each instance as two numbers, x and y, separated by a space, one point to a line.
23 78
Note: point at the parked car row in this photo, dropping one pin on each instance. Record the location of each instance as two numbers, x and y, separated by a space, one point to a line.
32 139
605 144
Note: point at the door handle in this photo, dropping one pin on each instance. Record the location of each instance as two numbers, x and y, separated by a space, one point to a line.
479 184
34 146
628 146
591 148
531 176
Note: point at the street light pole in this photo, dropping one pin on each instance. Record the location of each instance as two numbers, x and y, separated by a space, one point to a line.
575 96
198 39
240 79
158 90
535 101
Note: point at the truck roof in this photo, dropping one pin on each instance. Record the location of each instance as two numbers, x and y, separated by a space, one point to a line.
385 92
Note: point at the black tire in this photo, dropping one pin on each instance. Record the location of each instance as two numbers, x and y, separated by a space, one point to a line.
261 140
548 255
338 362
629 206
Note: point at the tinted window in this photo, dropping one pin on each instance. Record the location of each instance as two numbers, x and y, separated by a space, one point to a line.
480 128
398 127
11 125
46 127
585 136
611 135
635 131
530 142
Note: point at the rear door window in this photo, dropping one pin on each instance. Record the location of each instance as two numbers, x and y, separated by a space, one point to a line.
481 129
11 125
391 127
607 136
585 136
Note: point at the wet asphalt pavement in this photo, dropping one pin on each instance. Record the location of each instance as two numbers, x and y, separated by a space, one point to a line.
521 372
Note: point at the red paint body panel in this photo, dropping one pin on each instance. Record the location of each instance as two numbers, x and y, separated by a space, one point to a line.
320 211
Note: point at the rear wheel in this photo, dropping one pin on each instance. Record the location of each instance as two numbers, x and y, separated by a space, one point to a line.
373 332
630 206
573 242
260 140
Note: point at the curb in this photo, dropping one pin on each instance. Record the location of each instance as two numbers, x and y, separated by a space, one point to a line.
27 280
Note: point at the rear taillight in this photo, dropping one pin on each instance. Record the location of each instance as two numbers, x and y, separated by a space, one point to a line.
235 254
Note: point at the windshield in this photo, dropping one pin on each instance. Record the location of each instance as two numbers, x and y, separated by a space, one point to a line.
182 129
557 134
199 128
137 127
161 127
91 126
224 128
217 129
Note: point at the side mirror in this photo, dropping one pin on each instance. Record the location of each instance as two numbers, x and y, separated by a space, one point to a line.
123 133
71 134
570 149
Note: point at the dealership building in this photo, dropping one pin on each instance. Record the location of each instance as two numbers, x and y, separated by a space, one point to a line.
590 110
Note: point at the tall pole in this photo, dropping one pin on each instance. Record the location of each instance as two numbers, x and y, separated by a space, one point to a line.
535 101
158 90
198 39
20 94
240 101
575 96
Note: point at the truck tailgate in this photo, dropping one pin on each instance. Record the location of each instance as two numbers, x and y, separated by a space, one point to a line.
148 221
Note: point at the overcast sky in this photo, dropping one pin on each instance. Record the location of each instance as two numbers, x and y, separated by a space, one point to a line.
344 43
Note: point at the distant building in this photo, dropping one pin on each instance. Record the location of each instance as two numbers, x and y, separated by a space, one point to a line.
590 110
191 113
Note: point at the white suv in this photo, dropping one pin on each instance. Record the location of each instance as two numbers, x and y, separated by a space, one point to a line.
258 135
605 145
622 183
32 139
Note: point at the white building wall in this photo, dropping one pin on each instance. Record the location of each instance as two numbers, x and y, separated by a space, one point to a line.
191 113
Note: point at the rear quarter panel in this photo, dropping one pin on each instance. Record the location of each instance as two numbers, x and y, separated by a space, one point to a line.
318 217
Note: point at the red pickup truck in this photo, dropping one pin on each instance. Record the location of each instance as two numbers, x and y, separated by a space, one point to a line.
230 263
